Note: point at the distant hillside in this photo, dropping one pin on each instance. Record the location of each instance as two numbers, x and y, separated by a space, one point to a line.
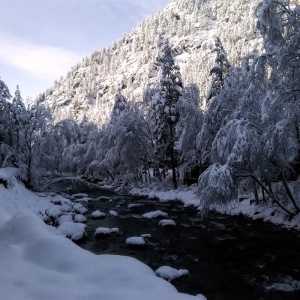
128 65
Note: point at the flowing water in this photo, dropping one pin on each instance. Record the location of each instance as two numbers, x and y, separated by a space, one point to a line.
227 257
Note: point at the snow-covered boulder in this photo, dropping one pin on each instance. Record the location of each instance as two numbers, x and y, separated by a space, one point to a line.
104 231
155 214
169 273
80 218
79 209
113 213
135 241
146 235
98 214
65 218
166 222
71 230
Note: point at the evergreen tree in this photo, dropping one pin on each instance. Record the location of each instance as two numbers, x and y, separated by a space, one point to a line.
165 111
120 104
6 134
219 71
188 126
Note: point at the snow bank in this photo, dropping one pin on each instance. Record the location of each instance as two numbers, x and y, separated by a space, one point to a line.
36 263
272 214
183 194
169 273
246 207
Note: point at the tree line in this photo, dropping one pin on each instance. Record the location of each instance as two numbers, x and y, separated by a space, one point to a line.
247 138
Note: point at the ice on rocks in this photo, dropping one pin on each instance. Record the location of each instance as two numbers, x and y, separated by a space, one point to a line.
155 214
169 273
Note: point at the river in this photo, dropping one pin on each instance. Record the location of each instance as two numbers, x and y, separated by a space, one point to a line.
227 257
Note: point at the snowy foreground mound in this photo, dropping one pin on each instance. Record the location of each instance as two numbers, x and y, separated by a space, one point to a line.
36 263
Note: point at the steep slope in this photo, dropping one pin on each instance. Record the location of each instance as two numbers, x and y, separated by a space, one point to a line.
129 64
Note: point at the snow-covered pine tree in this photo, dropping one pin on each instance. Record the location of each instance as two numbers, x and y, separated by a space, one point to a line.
220 101
187 128
165 111
18 116
120 104
219 71
5 122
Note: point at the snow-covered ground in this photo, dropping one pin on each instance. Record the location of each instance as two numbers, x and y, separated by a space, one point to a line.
246 207
36 262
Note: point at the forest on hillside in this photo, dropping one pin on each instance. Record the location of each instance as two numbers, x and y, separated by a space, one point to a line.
248 138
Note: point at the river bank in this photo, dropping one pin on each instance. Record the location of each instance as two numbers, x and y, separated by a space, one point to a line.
246 206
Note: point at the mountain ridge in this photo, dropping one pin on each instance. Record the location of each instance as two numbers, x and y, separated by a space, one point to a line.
128 65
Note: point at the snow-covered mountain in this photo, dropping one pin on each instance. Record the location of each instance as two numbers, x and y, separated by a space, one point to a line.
129 64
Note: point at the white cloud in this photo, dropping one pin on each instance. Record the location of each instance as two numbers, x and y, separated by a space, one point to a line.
42 61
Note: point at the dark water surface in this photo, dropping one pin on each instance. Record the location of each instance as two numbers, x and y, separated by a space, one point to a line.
227 257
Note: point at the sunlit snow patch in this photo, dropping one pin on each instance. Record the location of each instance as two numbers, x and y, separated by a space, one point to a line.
155 214
169 273
166 222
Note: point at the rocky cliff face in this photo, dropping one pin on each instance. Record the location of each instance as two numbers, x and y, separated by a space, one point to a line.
129 64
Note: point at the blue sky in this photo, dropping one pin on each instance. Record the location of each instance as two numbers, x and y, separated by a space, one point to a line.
42 39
